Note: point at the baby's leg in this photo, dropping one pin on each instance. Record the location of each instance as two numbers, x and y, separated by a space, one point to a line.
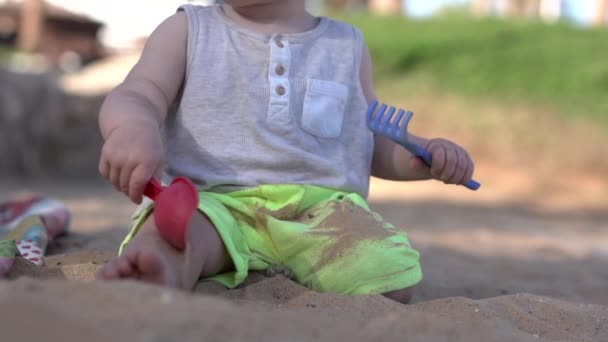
344 247
150 258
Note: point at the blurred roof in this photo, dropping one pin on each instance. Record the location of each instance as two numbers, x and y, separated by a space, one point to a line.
51 11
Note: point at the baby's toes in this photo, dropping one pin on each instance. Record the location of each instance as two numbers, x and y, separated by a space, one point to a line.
124 267
112 270
108 271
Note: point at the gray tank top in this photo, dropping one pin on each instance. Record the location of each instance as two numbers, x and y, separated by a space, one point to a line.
270 109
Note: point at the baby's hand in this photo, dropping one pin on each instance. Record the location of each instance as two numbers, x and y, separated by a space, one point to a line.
451 163
131 156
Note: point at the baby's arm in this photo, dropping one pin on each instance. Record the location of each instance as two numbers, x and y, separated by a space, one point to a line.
451 163
153 83
133 112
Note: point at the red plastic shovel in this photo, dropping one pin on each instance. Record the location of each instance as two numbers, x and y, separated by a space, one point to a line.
174 207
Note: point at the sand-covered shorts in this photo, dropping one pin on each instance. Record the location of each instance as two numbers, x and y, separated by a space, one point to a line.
330 240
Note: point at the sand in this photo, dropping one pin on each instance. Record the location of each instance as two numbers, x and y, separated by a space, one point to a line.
495 270
274 309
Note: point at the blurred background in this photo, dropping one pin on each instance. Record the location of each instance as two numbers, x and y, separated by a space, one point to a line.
522 84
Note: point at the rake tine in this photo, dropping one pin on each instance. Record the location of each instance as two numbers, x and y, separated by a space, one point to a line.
406 119
397 121
378 119
389 116
371 110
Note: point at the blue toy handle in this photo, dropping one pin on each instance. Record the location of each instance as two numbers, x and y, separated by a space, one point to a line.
425 155
428 160
472 185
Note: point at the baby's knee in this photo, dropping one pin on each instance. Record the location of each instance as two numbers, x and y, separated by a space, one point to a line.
403 296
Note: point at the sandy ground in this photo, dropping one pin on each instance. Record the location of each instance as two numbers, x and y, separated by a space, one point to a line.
503 264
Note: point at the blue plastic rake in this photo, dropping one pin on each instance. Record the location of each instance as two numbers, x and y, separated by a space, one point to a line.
396 129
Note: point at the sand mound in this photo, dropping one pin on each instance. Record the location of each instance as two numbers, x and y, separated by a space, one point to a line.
68 306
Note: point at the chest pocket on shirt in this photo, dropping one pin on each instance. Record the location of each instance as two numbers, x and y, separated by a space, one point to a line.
324 105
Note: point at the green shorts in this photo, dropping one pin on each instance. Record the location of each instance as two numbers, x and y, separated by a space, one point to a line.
330 240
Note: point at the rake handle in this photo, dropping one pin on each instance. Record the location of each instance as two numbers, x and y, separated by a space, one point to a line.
428 160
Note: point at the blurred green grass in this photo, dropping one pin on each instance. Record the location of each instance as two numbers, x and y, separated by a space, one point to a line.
559 65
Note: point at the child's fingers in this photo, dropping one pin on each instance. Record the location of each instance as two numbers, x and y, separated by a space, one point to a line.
140 177
461 167
451 163
125 177
107 162
468 175
115 177
439 162
104 167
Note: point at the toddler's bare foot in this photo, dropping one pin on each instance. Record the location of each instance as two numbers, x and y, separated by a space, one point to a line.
148 258
148 265
151 259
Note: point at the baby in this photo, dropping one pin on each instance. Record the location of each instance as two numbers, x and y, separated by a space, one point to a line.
263 106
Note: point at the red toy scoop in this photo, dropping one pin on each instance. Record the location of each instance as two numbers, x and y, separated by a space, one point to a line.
174 207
